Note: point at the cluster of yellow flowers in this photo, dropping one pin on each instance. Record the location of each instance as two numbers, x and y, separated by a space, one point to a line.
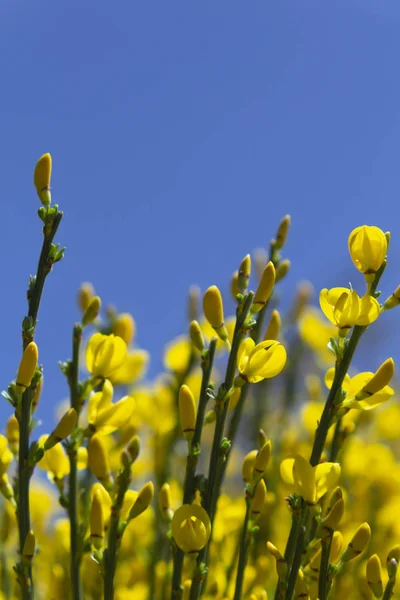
230 475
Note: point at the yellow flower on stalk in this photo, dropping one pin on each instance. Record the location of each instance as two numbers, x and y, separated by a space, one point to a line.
316 333
133 368
27 367
258 362
42 177
104 354
344 308
55 461
310 482
362 390
368 247
105 501
191 527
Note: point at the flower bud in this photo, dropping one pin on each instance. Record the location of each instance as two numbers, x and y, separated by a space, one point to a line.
235 285
358 543
12 433
273 327
37 393
262 460
187 412
393 300
248 466
244 273
134 448
381 378
282 232
281 564
143 500
27 367
164 502
374 575
394 554
63 429
196 335
98 461
214 311
97 521
331 521
28 550
85 294
264 289
124 327
92 311
301 587
282 269
42 177
258 500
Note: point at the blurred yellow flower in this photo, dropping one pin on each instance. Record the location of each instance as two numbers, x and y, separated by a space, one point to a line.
105 354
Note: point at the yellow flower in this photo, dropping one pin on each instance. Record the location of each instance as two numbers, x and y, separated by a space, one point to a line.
310 482
191 527
177 354
125 327
368 248
55 461
104 354
344 308
358 394
261 361
64 428
105 501
6 456
133 368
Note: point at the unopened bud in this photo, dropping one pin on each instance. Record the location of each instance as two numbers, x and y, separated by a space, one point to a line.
393 300
63 429
381 378
124 327
281 564
85 294
262 460
196 335
374 575
97 521
28 550
358 543
164 502
282 269
187 412
27 367
264 289
92 311
282 232
273 327
258 500
12 433
244 273
134 448
143 500
42 178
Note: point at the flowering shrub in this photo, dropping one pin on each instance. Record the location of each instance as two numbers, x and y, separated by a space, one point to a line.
250 468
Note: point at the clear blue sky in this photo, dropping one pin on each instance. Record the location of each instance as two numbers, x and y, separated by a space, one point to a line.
181 132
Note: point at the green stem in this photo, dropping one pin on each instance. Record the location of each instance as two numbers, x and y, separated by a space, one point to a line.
217 459
388 594
192 460
290 547
75 558
24 415
323 583
114 539
298 553
243 552
335 447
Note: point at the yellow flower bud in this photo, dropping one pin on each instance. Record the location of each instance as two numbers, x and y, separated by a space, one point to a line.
248 466
336 548
394 554
63 429
134 448
187 412
42 177
331 521
381 378
393 300
258 362
92 311
368 248
12 433
273 327
85 294
214 312
28 550
262 459
281 564
191 528
258 500
105 354
374 575
27 366
282 269
164 502
142 501
196 335
97 521
282 232
98 461
124 326
235 285
358 543
244 273
265 288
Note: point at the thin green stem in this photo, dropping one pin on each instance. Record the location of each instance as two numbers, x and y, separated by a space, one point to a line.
335 447
323 583
243 552
298 553
24 412
388 593
73 492
192 460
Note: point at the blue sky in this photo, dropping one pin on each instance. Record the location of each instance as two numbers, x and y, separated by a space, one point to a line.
181 132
